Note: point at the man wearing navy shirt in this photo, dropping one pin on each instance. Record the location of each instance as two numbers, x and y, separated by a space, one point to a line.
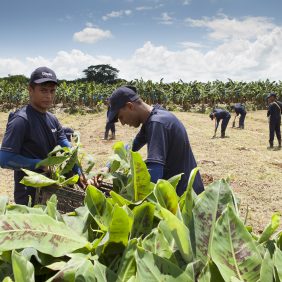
32 132
274 115
240 110
168 149
218 115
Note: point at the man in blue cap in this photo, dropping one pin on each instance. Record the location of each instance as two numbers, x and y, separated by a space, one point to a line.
218 115
168 149
274 116
32 132
239 109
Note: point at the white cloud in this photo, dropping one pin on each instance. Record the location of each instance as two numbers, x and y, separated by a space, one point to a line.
91 35
187 2
143 8
165 19
245 58
224 28
189 44
116 14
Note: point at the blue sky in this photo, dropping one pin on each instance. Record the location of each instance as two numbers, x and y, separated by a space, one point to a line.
170 39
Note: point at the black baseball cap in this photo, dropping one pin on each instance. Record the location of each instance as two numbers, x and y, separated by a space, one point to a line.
271 95
119 98
43 74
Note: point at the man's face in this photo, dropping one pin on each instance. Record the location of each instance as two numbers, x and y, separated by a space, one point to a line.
129 115
42 95
270 99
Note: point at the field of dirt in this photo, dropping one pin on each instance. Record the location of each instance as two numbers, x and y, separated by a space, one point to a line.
255 172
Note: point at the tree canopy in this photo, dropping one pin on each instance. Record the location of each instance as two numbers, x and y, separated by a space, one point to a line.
101 73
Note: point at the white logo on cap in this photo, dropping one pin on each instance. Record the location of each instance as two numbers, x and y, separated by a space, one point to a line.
48 74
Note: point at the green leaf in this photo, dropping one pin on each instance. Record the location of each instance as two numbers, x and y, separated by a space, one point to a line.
103 273
174 180
3 203
140 177
71 161
207 209
278 262
234 250
36 179
119 227
180 233
156 243
14 209
7 279
266 271
270 228
120 150
189 202
127 266
70 181
51 161
23 270
166 195
52 206
143 220
40 232
151 267
98 206
85 272
118 199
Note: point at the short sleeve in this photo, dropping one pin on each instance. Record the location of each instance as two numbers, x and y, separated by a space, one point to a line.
14 135
157 143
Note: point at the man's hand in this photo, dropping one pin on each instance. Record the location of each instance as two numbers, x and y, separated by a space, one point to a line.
96 180
82 182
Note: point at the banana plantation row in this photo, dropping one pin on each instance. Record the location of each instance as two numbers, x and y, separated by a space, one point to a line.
14 93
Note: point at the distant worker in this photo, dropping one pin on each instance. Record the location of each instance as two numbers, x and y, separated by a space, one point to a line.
110 126
218 115
274 116
239 110
168 149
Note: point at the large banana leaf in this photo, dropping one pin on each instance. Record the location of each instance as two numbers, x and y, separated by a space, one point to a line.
189 202
207 209
278 262
267 268
166 195
40 232
151 267
53 160
180 233
98 206
140 177
234 250
36 179
127 267
23 269
143 220
270 228
156 243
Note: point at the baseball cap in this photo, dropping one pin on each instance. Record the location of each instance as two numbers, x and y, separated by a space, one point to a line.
271 95
211 115
119 98
43 74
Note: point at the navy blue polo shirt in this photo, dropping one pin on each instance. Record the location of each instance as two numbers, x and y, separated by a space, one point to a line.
168 144
274 111
239 109
221 114
31 134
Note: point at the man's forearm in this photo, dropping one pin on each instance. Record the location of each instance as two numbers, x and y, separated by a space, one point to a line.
16 161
